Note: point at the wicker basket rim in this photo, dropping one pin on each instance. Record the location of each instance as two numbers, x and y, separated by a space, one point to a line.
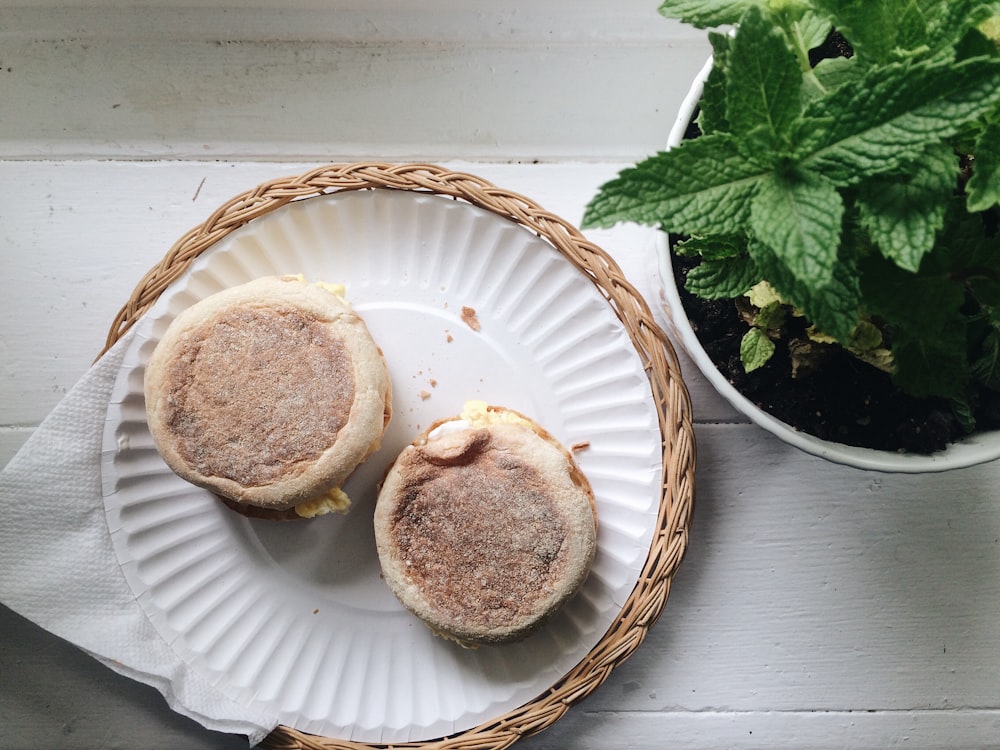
647 599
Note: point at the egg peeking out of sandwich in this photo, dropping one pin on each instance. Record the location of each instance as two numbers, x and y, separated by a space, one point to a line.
485 526
269 394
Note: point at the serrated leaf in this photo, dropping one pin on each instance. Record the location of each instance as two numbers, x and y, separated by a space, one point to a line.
986 367
764 79
893 113
923 314
771 316
713 247
952 19
712 105
811 29
878 28
965 250
763 294
903 218
879 358
963 411
755 349
832 307
806 356
920 303
837 71
932 363
799 217
722 279
975 44
866 337
990 26
983 188
704 186
705 14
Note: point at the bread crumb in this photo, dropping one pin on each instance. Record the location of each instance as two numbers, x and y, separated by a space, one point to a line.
424 395
580 446
315 611
448 337
433 383
469 317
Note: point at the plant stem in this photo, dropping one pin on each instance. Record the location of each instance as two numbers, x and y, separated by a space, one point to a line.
794 33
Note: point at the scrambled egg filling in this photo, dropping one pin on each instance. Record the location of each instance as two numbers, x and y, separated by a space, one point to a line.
338 289
334 501
479 413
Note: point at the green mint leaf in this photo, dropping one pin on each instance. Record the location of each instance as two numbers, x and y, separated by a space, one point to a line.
722 279
811 30
968 255
990 26
798 216
764 79
878 29
986 290
933 362
866 337
983 188
712 106
763 294
975 44
893 113
705 14
713 247
832 306
920 302
772 316
755 349
951 20
903 218
837 71
986 367
704 186
961 407
927 330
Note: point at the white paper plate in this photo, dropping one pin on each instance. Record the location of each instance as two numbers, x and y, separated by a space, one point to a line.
293 618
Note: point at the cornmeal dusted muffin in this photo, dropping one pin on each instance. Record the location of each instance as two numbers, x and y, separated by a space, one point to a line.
485 526
269 394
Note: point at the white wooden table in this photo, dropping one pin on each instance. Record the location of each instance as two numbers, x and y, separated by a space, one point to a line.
818 606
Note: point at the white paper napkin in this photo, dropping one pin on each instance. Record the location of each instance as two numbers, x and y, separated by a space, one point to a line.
58 567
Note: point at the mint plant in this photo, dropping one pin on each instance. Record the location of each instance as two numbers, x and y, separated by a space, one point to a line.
859 191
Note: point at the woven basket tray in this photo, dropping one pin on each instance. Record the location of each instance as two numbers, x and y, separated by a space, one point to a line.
670 396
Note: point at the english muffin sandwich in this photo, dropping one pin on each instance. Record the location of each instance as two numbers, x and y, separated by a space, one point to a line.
269 394
485 526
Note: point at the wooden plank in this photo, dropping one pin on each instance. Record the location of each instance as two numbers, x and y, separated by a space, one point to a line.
765 730
11 441
54 695
505 84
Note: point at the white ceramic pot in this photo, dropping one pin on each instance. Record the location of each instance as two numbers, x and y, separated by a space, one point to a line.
975 449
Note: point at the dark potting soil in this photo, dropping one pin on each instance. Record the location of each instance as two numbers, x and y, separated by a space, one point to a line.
846 400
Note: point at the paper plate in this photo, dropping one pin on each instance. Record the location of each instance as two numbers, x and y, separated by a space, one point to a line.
293 618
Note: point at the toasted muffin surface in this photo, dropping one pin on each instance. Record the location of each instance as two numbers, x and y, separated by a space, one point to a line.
257 393
485 529
269 393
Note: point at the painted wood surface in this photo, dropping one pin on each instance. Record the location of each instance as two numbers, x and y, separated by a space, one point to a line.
818 606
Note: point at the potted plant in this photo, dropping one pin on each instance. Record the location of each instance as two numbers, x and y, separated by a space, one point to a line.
832 215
